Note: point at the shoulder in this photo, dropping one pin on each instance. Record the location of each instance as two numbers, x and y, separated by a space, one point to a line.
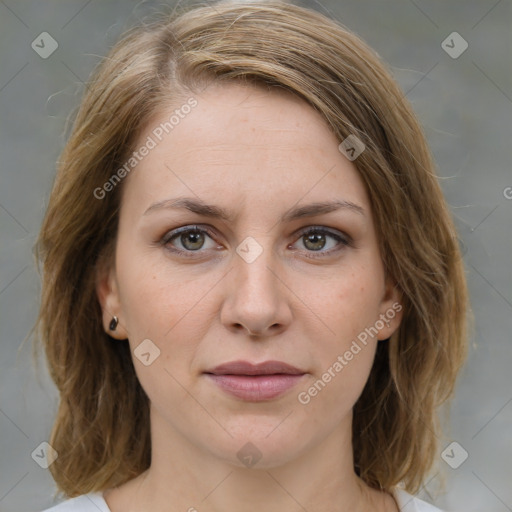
92 502
408 503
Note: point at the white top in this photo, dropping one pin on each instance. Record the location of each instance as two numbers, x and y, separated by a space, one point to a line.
94 502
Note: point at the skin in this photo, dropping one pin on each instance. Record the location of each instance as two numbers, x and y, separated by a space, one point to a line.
256 154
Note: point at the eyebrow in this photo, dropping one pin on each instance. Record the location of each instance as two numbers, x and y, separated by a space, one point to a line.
208 210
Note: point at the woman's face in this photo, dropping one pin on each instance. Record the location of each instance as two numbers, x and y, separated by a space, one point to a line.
275 279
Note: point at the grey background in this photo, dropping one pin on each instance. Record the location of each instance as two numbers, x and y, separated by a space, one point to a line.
465 106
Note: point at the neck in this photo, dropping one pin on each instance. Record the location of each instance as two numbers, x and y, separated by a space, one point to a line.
184 476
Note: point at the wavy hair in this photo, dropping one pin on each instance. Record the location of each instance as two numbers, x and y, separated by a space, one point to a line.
101 431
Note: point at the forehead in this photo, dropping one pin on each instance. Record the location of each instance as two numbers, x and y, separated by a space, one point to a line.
246 144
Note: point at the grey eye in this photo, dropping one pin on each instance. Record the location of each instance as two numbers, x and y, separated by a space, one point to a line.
192 240
314 241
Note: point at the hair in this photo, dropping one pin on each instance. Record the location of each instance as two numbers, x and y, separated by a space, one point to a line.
102 431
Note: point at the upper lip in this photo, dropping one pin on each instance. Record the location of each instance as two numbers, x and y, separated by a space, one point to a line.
247 368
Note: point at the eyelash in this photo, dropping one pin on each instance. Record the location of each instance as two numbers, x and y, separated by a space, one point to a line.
344 241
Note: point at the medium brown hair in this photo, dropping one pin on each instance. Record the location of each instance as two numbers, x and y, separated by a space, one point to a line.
101 432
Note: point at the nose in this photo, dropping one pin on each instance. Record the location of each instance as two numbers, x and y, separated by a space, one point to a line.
256 299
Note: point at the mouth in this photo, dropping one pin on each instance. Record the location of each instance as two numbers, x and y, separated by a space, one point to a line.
255 382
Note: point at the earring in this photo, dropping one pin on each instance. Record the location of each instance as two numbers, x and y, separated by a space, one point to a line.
113 323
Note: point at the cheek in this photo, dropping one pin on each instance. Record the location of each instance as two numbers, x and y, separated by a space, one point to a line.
152 302
162 304
349 306
160 308
143 300
344 363
350 377
350 303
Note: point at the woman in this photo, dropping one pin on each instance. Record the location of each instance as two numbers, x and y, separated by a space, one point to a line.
253 296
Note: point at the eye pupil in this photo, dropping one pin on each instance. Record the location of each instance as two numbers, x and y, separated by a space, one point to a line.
315 238
195 237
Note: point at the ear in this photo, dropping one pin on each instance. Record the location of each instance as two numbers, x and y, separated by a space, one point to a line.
391 310
107 291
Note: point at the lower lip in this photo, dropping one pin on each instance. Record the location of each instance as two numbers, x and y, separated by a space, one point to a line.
256 388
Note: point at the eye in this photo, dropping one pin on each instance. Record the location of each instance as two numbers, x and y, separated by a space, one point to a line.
317 239
188 239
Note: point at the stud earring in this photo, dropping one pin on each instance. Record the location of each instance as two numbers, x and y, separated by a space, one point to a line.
113 323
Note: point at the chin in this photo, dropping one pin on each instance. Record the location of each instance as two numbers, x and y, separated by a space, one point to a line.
260 445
